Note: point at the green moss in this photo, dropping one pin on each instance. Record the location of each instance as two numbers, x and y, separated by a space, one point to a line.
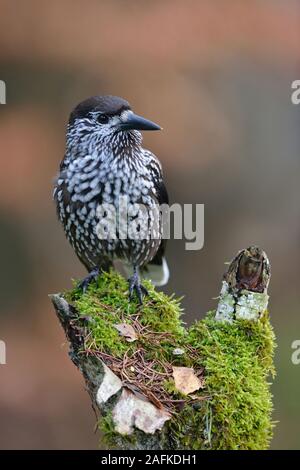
106 304
232 411
238 360
111 438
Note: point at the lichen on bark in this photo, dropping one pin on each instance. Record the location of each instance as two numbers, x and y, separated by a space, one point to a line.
131 376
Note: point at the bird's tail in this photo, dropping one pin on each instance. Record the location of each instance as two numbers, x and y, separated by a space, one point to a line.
157 272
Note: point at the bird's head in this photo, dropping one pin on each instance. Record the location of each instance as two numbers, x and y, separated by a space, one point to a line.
107 118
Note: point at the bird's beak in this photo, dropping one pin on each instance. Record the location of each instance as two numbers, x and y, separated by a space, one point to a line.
134 122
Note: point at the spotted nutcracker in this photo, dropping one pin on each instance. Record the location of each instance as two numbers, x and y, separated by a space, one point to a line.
103 164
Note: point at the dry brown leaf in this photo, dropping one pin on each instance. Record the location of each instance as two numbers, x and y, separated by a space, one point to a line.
131 412
186 380
127 331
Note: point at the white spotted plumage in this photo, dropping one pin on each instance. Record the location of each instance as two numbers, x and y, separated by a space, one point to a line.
100 165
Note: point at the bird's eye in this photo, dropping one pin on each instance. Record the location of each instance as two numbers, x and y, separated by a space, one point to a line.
102 118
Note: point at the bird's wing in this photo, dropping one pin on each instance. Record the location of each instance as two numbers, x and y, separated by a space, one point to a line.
157 269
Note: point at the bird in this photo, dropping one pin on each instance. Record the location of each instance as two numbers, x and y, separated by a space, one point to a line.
105 163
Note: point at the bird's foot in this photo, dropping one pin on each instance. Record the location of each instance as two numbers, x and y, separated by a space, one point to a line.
136 286
92 276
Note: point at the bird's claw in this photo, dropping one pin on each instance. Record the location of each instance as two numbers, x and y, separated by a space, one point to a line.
92 276
137 287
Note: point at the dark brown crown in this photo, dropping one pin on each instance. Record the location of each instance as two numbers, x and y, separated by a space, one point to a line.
110 105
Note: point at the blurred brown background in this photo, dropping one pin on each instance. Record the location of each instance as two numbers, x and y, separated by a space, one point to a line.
217 76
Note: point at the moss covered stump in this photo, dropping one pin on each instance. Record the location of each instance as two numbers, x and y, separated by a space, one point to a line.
159 385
